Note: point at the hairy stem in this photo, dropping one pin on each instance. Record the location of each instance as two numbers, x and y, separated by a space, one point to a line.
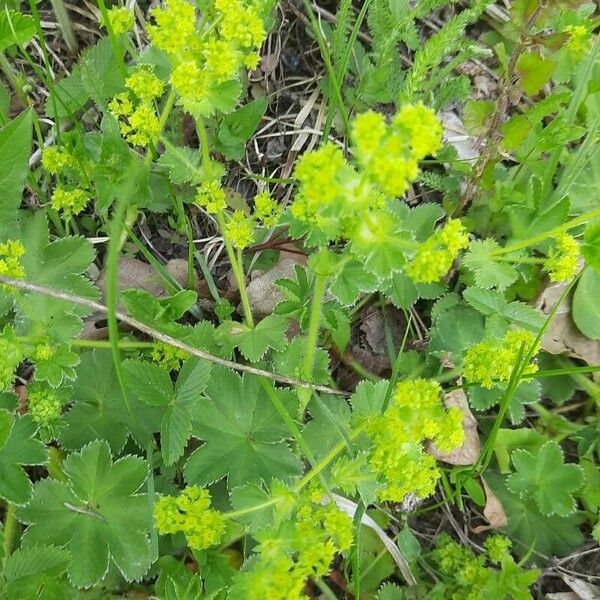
166 339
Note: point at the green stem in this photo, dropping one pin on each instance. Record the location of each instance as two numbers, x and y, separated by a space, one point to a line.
150 484
315 472
10 528
164 117
62 16
238 270
311 342
333 80
204 144
13 79
536 239
54 466
107 344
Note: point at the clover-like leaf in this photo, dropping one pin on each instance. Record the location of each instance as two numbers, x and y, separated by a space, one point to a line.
97 514
243 433
546 478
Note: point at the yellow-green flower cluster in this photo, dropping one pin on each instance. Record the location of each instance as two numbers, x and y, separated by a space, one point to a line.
168 357
579 39
121 19
240 230
561 264
397 456
135 111
301 548
44 406
10 264
43 352
498 548
435 256
211 197
266 209
492 361
209 52
190 514
144 84
69 202
335 194
468 577
56 159
12 354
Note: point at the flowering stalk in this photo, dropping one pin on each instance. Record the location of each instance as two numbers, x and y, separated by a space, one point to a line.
238 270
580 220
235 258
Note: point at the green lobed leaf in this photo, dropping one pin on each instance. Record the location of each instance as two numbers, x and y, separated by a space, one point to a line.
487 271
21 448
591 245
16 28
351 281
37 572
535 71
15 148
243 433
545 478
585 307
97 514
254 342
552 536
151 383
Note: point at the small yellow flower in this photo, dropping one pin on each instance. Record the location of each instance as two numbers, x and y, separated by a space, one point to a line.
240 230
211 196
190 513
189 80
12 355
168 357
55 160
561 264
579 39
175 27
44 406
435 256
43 352
145 84
121 20
423 127
70 202
121 105
491 361
266 209
143 126
222 59
10 265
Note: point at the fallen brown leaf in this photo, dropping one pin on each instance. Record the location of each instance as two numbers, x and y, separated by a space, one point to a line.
469 451
562 337
493 511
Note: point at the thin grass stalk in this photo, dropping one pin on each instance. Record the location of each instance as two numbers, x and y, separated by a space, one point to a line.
64 21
